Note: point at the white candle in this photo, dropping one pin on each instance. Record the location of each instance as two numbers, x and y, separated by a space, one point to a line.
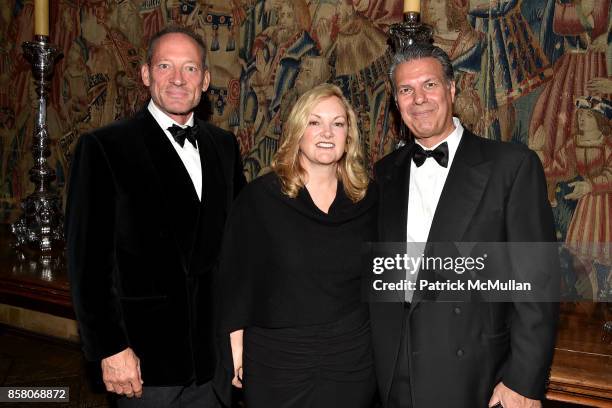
412 5
41 17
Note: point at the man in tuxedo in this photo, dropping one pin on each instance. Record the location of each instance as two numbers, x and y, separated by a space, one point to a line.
147 202
448 185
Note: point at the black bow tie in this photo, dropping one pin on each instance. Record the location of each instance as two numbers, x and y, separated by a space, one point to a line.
440 154
180 134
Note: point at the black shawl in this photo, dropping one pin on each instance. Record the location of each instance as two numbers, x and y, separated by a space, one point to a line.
285 263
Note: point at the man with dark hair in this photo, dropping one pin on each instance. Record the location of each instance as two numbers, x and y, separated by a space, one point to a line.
147 202
448 185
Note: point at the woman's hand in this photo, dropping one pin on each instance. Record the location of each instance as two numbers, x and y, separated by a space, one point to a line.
236 343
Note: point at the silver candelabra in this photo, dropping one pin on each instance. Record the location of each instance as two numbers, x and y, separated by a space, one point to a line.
41 224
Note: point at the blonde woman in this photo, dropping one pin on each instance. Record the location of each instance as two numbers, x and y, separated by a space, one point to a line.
289 273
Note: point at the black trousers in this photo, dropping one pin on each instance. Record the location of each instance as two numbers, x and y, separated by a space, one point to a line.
191 396
400 395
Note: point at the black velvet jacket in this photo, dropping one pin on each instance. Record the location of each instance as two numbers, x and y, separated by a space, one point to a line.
142 247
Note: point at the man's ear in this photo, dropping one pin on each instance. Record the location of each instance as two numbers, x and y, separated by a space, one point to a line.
205 80
144 74
452 90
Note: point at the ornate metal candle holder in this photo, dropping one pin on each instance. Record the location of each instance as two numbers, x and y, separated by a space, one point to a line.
411 31
41 224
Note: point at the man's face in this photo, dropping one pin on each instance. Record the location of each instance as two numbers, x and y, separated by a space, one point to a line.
176 77
91 31
425 99
286 17
586 121
346 12
307 77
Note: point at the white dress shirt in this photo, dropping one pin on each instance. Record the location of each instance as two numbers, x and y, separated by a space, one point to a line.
426 184
188 153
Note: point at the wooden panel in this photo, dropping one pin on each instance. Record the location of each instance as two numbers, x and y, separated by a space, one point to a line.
582 365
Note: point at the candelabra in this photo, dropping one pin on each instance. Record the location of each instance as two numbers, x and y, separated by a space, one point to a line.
41 224
410 31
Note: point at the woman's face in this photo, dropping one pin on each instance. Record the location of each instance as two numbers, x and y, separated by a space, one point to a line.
586 121
324 139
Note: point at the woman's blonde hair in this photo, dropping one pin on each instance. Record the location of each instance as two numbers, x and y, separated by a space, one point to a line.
286 163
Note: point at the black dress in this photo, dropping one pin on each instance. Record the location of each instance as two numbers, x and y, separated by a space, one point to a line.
290 276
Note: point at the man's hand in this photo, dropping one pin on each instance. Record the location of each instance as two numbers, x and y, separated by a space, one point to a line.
599 85
236 343
599 44
121 374
581 188
511 399
324 32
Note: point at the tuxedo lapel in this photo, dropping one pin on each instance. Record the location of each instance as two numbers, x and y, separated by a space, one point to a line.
394 204
177 194
213 210
463 190
395 199
210 161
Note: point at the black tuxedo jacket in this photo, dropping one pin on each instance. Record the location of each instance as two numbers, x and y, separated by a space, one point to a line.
142 247
458 351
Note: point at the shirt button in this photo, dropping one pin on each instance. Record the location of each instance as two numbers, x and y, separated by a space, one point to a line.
457 310
460 353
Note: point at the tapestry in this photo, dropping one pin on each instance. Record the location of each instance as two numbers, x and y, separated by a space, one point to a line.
522 69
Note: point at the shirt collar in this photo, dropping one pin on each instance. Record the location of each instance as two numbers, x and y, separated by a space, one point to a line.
453 140
165 121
